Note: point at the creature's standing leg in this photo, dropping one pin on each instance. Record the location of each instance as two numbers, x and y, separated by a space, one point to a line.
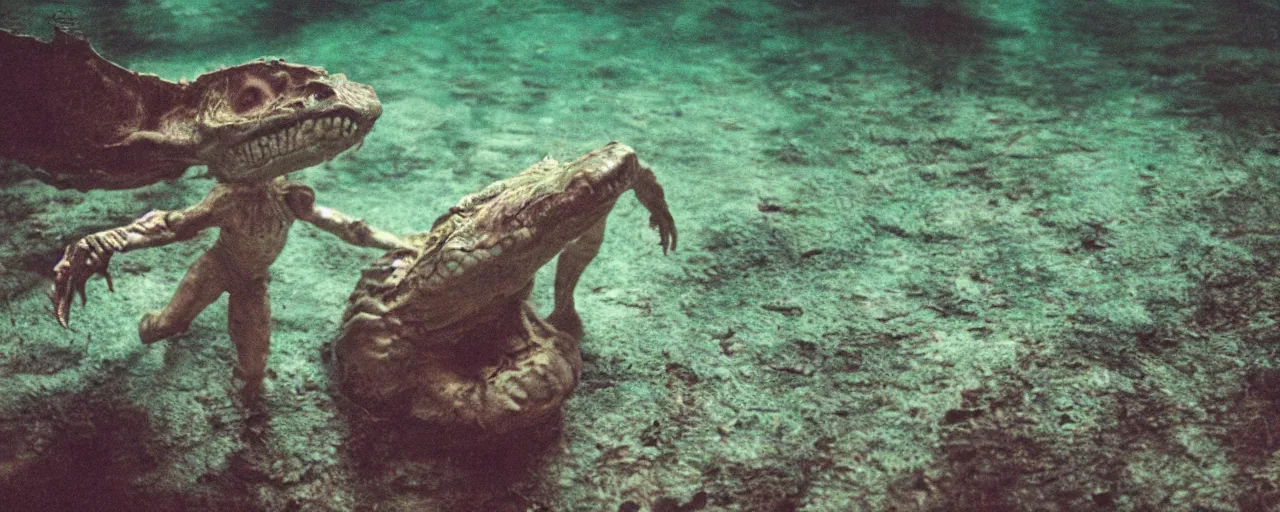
249 323
204 283
573 261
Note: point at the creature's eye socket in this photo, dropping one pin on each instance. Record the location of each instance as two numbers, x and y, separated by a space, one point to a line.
440 220
319 91
248 98
279 80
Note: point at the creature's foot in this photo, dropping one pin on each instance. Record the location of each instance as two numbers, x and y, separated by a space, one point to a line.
151 329
251 391
567 321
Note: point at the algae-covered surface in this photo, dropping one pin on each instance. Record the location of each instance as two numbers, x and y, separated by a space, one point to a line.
1005 255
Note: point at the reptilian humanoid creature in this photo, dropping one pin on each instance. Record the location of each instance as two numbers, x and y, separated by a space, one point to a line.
444 329
89 123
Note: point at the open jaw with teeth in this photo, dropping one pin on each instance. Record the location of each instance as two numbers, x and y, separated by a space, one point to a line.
334 131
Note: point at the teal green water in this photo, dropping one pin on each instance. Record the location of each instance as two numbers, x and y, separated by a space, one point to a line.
1005 255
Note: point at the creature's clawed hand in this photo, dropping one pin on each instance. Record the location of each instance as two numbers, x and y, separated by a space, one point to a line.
650 194
89 256
666 226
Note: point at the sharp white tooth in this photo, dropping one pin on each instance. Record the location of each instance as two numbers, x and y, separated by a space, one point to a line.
308 124
524 233
494 251
508 242
479 256
253 151
469 260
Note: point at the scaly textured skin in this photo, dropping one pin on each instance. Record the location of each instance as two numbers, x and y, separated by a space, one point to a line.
250 124
444 329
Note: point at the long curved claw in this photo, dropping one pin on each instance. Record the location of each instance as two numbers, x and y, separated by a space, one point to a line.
666 227
61 309
111 286
650 194
88 256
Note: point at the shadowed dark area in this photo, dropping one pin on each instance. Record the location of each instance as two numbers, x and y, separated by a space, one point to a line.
936 255
78 454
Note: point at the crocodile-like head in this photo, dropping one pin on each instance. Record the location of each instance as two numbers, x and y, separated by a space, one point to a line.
501 235
265 119
492 242
526 219
89 123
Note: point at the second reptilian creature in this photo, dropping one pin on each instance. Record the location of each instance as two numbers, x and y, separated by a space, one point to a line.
444 329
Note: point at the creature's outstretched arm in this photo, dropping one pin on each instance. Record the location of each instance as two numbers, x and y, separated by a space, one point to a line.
302 200
91 254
